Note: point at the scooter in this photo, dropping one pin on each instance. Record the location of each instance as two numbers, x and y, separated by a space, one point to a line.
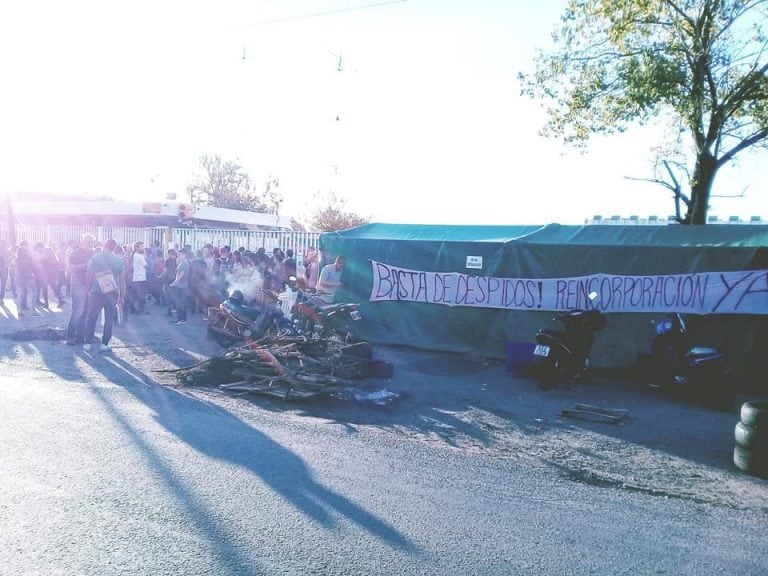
237 320
563 355
319 319
676 366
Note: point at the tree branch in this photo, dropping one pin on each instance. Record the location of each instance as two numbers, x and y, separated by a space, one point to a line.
742 145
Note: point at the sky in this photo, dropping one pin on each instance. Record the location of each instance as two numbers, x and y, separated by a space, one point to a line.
410 110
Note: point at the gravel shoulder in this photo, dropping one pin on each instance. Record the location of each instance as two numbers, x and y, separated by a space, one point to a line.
663 447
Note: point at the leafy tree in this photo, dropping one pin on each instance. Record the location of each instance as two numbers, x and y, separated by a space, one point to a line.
701 64
334 215
225 184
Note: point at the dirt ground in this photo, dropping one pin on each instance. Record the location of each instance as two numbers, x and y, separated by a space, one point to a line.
665 447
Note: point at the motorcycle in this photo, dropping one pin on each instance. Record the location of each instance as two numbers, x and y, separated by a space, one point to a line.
314 316
563 355
682 369
238 320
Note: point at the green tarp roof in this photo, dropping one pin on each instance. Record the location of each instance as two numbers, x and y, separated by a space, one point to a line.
437 232
532 252
589 235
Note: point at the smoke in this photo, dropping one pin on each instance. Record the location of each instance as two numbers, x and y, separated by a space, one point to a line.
248 281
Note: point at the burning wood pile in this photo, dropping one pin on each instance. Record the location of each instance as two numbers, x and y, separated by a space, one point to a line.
289 369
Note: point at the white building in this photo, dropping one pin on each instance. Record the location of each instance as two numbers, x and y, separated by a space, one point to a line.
106 211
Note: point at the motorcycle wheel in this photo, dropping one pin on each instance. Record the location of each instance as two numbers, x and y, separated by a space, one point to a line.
546 374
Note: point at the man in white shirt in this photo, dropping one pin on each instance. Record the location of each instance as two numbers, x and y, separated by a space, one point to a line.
139 278
330 279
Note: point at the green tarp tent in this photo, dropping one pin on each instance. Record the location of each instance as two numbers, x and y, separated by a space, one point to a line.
539 252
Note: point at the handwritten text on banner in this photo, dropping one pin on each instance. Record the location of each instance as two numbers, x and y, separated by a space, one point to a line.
744 292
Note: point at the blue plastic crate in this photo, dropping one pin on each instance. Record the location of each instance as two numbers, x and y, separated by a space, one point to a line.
519 358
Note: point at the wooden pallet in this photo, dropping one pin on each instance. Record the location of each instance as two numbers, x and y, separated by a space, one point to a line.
597 414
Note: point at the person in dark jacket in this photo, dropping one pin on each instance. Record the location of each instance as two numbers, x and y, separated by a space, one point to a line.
49 276
289 266
106 291
5 263
24 272
169 273
40 286
77 270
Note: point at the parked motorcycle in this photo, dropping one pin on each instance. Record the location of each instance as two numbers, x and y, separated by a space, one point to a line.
315 317
678 367
238 320
563 355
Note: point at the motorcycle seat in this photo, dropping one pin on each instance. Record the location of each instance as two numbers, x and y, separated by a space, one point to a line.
324 307
702 353
336 307
246 314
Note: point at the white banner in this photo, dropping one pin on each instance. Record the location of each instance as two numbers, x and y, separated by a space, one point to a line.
744 292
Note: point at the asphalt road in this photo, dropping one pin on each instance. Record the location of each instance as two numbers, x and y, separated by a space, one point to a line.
104 471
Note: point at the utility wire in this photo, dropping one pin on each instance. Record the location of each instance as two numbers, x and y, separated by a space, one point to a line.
316 14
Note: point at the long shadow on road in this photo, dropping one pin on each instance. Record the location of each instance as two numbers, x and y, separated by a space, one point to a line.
457 400
213 431
474 402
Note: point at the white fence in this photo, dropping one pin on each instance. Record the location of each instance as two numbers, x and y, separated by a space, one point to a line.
166 237
50 234
248 239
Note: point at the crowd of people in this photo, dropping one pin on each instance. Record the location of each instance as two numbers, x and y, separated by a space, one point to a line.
113 281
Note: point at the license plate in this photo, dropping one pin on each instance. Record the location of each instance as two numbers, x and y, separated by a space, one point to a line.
541 350
355 315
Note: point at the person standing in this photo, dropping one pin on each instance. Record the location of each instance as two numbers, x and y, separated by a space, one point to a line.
169 273
311 268
180 286
41 288
24 272
139 278
225 253
197 283
288 269
5 264
155 277
12 270
217 284
77 270
330 280
106 281
49 270
61 271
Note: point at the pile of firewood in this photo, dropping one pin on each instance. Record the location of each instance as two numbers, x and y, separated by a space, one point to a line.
287 369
